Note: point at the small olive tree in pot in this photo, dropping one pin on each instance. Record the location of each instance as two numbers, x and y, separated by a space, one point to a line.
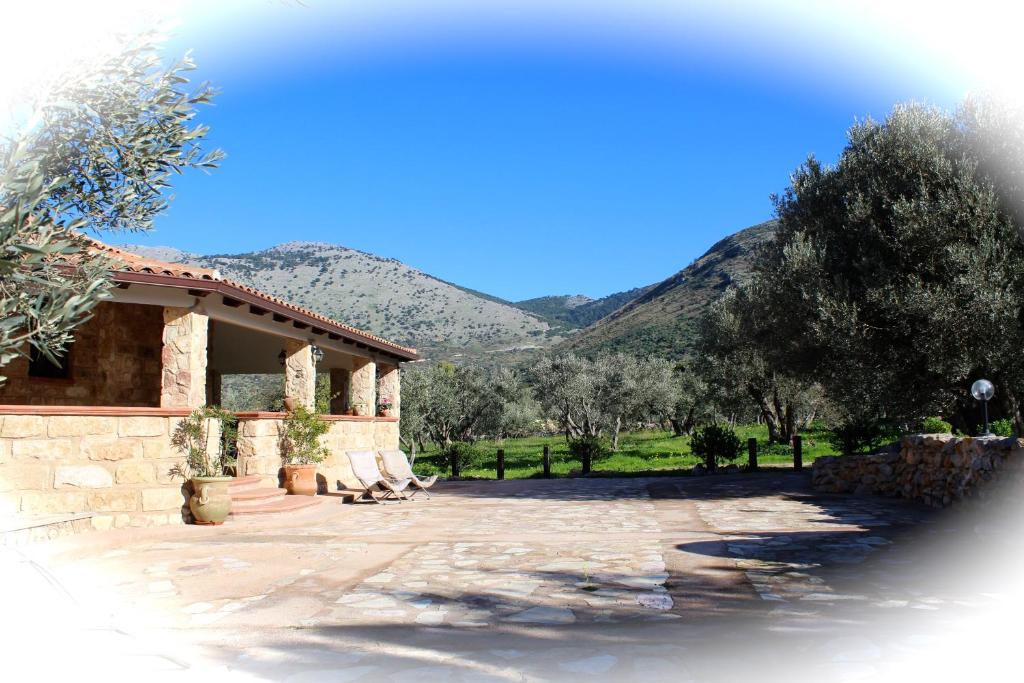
301 450
206 437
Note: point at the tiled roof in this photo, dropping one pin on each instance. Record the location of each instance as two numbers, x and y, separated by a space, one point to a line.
134 263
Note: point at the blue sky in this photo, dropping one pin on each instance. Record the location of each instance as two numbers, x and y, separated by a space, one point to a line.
520 155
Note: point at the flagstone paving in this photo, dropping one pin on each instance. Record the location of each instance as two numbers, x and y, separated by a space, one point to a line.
533 580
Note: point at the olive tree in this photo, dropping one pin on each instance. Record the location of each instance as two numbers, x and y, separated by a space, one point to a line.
896 276
94 150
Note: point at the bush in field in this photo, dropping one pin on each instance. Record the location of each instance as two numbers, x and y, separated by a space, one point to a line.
588 449
715 443
859 436
465 455
1002 427
936 425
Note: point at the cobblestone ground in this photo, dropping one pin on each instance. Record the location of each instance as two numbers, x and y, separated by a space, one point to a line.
665 579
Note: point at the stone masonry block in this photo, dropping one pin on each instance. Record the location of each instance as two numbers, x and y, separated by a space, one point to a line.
84 476
22 426
81 425
108 448
142 426
114 501
27 476
135 472
168 498
43 449
53 502
159 449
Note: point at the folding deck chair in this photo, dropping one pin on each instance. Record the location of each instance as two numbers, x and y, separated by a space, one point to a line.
364 467
396 466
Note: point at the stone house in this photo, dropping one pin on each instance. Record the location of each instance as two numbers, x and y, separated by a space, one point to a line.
92 438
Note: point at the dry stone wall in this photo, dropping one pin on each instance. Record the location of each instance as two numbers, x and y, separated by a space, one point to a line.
259 449
115 467
936 469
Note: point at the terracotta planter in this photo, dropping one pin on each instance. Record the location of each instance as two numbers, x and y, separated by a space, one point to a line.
290 404
210 502
300 480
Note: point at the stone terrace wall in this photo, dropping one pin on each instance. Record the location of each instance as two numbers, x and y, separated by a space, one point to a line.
936 469
259 451
115 467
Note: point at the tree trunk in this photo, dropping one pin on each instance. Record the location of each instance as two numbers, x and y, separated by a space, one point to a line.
684 426
770 418
788 425
615 435
1013 409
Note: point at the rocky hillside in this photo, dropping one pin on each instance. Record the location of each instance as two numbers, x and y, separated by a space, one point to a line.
444 320
576 311
380 295
662 319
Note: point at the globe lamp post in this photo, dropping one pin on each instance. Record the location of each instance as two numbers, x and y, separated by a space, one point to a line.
982 390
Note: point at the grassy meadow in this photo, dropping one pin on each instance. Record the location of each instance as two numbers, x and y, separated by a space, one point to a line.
640 453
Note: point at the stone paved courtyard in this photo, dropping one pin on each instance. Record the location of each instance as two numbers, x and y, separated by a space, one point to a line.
665 579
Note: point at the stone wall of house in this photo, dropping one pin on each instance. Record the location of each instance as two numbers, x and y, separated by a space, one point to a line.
259 450
935 469
115 467
115 361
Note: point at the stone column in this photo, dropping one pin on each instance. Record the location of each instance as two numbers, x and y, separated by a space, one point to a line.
183 377
339 391
364 385
300 372
389 384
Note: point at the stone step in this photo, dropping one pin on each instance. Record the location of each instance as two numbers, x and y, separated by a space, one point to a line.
244 483
277 505
25 529
251 498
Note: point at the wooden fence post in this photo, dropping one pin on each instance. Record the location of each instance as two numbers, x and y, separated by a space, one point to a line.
752 454
455 463
501 463
798 453
547 462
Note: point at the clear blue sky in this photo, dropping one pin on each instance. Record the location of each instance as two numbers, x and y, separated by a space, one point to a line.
512 155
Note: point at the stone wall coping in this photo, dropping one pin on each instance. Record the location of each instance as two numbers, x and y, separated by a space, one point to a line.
260 415
127 411
109 411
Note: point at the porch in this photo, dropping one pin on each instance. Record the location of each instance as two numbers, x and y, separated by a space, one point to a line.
92 436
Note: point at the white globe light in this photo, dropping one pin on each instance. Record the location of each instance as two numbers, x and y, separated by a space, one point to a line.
982 390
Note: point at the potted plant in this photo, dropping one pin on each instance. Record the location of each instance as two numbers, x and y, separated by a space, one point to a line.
384 405
358 408
206 456
301 450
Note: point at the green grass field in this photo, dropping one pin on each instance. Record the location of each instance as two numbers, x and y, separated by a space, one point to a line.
640 453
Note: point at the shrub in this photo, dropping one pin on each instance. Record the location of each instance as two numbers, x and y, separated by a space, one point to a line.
588 449
936 425
462 454
203 457
300 437
715 443
1002 427
860 436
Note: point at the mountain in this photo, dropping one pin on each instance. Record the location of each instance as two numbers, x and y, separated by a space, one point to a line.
445 320
662 319
577 311
380 295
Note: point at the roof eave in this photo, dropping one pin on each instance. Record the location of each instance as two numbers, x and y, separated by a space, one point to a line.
230 290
